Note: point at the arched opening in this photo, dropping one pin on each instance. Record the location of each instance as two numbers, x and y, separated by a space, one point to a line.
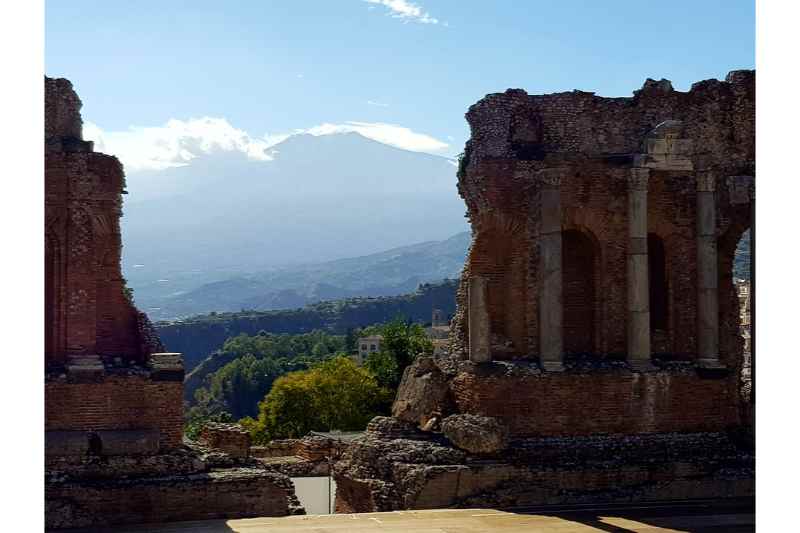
659 293
49 300
742 279
53 344
503 241
736 299
578 266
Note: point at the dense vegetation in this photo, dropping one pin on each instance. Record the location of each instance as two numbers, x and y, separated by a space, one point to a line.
286 385
198 337
333 394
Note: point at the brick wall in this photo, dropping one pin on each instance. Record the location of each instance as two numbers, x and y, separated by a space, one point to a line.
87 311
196 497
514 135
117 402
232 439
613 402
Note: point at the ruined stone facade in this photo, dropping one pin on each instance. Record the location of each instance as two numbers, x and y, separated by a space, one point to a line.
597 318
114 450
618 182
105 370
604 230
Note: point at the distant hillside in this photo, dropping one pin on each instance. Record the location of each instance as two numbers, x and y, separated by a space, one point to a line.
223 216
390 273
200 336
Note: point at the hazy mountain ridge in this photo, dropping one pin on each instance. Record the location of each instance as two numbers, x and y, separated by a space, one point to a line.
392 272
224 216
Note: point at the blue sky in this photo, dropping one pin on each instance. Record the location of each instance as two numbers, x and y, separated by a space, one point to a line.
274 67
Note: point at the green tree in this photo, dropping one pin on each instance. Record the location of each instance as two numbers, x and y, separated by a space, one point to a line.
333 394
404 341
383 366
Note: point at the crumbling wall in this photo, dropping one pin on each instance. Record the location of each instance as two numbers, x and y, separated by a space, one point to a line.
87 309
598 401
201 496
134 401
232 439
596 140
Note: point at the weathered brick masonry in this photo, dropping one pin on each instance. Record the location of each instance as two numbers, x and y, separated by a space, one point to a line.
99 349
597 324
590 403
594 142
197 496
117 403
114 450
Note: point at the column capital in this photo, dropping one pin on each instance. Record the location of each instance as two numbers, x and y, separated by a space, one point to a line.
706 181
637 179
551 177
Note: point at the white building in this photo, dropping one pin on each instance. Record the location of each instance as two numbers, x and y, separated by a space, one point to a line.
366 346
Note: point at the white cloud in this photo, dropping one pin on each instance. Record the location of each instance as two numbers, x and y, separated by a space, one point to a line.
377 104
174 144
391 134
408 11
177 142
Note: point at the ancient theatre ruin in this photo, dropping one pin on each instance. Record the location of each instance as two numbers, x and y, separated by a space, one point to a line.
113 400
596 353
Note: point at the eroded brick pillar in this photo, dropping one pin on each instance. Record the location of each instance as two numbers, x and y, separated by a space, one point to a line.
637 278
551 309
707 277
479 330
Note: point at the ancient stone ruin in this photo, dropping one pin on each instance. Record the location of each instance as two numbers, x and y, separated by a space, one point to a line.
114 450
595 353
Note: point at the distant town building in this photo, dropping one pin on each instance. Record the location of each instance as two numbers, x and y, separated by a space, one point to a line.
439 318
366 346
439 331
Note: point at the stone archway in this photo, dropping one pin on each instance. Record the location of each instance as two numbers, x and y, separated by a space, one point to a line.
579 292
660 323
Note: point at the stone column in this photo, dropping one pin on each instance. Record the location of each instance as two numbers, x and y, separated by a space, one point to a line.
479 330
707 278
551 309
638 267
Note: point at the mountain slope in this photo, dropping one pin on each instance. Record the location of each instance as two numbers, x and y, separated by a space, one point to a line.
320 198
396 271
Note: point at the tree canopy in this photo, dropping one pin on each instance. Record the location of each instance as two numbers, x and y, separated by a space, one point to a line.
333 394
